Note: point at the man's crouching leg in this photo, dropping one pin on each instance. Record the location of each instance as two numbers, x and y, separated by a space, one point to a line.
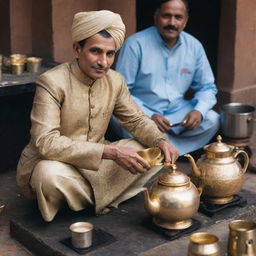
56 182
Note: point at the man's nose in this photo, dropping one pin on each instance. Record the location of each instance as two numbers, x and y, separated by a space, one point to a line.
172 21
103 60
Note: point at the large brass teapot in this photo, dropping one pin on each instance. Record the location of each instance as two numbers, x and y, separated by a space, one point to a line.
172 199
219 171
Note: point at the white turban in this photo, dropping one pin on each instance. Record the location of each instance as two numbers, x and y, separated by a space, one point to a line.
87 24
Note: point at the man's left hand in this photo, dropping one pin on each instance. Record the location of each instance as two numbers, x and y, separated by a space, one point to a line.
192 120
170 152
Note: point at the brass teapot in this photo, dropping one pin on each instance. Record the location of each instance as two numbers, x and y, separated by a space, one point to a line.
172 199
219 171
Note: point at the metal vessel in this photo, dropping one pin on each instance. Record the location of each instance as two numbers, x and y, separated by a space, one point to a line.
219 171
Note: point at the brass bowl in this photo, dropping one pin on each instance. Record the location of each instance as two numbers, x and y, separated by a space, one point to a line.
203 244
153 156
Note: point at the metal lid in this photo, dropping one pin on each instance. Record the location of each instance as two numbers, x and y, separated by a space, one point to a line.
218 146
173 178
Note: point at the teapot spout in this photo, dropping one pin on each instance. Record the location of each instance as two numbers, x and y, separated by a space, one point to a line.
152 206
195 169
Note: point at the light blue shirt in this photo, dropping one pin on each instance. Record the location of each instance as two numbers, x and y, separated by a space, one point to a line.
158 77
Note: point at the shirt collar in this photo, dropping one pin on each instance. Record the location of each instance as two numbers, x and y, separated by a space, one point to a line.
79 74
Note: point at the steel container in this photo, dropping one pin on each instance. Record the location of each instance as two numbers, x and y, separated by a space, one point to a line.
237 120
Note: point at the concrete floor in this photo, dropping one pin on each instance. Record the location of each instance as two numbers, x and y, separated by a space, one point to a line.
16 205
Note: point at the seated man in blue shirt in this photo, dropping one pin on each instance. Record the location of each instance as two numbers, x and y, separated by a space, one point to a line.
160 64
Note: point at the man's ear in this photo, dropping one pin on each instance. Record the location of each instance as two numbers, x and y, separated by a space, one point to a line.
76 49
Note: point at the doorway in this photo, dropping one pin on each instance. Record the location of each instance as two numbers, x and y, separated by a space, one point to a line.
203 24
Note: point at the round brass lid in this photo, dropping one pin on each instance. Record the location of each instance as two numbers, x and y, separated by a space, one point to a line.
173 178
218 146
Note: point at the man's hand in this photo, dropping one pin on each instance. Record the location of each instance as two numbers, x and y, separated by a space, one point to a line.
127 158
192 119
170 152
161 122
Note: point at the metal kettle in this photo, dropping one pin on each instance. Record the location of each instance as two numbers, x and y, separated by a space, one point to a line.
219 171
172 199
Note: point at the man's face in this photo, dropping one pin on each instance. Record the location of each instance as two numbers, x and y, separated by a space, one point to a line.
170 19
96 56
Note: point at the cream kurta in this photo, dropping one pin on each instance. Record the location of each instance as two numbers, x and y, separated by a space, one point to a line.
69 118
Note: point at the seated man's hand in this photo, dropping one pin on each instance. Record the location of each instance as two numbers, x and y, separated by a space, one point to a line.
170 152
127 158
192 119
161 122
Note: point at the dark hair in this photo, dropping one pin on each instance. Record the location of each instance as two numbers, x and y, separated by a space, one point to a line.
158 3
103 33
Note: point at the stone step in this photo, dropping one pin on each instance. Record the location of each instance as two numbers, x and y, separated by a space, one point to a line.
126 224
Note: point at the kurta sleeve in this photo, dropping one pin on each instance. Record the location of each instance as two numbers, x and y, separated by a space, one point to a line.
46 130
134 120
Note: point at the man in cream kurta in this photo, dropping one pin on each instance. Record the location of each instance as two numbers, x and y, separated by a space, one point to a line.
67 158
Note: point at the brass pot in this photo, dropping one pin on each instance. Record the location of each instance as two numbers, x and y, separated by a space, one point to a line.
219 171
172 200
242 238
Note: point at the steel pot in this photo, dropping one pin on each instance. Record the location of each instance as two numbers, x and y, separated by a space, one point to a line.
237 120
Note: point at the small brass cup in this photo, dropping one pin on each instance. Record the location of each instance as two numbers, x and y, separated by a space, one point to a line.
81 234
2 208
153 156
34 64
17 68
242 238
203 244
18 58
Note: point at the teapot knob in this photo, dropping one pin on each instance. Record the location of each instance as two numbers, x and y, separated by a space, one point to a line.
219 139
170 166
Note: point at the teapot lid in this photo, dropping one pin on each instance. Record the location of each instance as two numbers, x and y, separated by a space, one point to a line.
173 178
218 146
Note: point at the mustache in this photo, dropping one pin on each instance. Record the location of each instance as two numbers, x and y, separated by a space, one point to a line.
170 27
97 66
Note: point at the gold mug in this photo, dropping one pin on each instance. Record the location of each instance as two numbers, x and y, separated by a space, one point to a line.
203 244
242 238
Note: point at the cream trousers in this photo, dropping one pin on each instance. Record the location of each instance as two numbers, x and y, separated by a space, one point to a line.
56 183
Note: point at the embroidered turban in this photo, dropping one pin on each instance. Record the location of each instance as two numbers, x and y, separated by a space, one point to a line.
87 24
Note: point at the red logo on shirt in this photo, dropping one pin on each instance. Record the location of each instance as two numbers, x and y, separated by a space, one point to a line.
185 71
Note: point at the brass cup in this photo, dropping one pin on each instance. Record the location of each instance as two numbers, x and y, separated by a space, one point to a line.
203 244
242 238
34 64
17 68
18 58
153 156
81 234
2 208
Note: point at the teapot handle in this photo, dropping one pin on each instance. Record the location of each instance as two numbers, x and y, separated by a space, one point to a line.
246 158
200 189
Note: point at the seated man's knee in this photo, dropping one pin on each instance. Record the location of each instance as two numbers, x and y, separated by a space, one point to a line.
45 172
214 118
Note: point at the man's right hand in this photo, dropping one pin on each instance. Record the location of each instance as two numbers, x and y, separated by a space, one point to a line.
161 122
127 158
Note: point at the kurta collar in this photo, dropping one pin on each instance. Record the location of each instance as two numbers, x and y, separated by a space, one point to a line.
79 74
